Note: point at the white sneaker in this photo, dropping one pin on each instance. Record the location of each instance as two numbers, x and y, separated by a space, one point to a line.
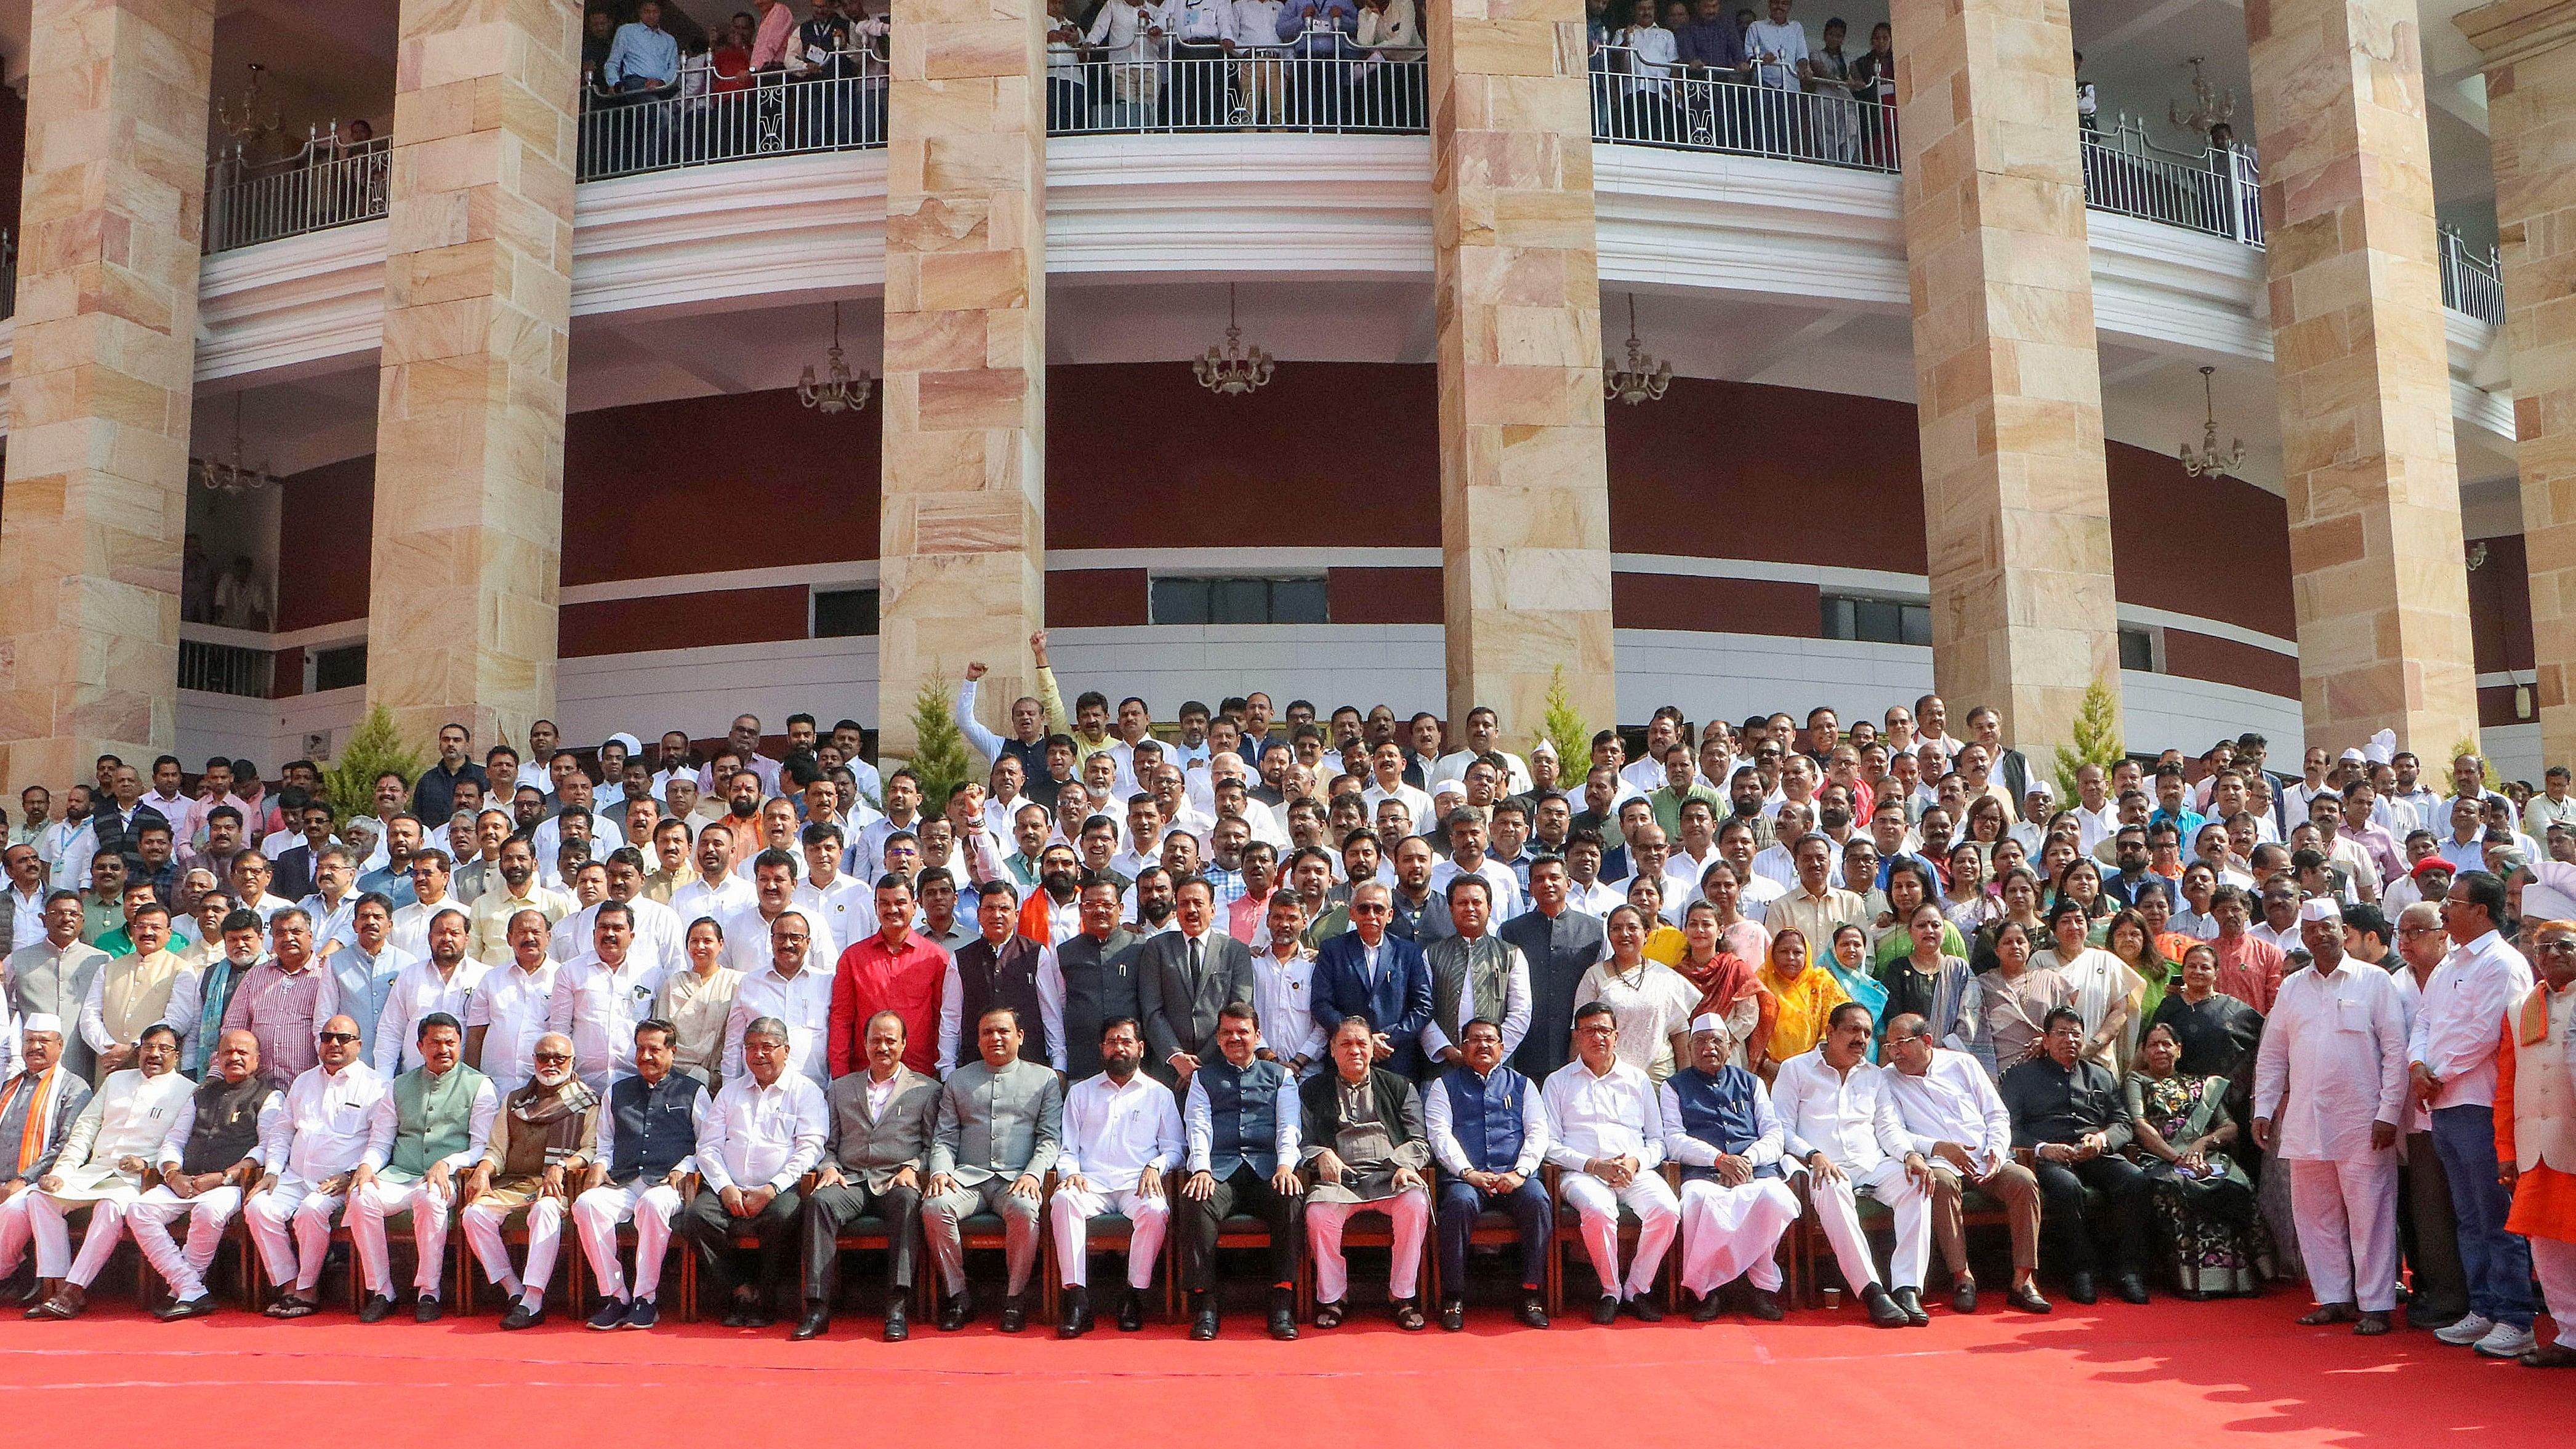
2467 1331
2505 1341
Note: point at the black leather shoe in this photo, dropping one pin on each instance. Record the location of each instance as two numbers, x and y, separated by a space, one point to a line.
1015 1314
2079 1286
1764 1304
1912 1302
812 1326
197 1307
1075 1320
956 1313
1202 1318
1453 1314
898 1319
427 1310
1283 1313
1883 1312
1533 1311
1644 1308
1708 1307
522 1316
375 1309
1605 1309
1963 1298
2131 1288
1131 1312
2026 1298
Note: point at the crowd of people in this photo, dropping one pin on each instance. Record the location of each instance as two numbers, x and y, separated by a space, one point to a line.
2199 1028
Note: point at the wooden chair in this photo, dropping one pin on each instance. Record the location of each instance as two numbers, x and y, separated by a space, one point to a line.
1243 1232
1494 1228
739 1241
987 1233
1569 1237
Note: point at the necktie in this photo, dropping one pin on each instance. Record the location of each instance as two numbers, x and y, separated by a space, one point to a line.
1194 957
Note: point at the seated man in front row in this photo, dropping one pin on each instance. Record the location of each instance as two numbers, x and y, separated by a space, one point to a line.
648 1138
427 1132
544 1139
1365 1148
1241 1123
1122 1132
311 1154
101 1166
764 1132
2070 1112
874 1160
211 1155
1488 1133
1735 1203
1949 1107
1606 1130
1000 1120
1838 1118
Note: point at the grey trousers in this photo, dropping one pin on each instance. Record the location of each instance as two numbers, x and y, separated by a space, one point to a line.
943 1219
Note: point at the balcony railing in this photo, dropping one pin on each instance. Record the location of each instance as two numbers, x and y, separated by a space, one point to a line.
2217 193
1646 103
225 668
1378 92
839 107
2472 279
325 184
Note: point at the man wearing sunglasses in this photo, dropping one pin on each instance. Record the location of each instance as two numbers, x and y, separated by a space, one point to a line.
310 1155
543 1141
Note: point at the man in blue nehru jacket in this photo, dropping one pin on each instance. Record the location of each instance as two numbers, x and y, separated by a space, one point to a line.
1240 1120
1488 1134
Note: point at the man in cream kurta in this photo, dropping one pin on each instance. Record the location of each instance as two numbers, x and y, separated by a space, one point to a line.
101 1167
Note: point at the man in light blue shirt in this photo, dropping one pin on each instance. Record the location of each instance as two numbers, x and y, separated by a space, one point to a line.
644 57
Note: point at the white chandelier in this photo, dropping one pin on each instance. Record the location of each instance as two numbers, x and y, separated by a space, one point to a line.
2207 458
841 394
1231 369
1643 379
230 476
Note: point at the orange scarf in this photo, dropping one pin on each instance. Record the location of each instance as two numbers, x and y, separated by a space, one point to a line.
39 1127
1034 921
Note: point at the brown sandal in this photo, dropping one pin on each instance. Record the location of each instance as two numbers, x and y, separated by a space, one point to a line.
2327 1313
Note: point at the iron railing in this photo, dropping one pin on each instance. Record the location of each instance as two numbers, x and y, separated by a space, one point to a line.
225 668
326 183
704 119
1642 102
2217 193
1356 91
2472 280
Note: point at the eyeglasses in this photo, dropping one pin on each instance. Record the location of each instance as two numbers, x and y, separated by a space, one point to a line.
337 1038
2557 948
555 1058
1370 908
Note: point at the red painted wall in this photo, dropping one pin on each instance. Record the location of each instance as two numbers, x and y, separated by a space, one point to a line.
329 515
2215 547
1734 470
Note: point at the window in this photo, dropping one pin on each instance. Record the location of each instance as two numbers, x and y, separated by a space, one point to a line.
845 613
1876 620
1196 600
2138 650
341 668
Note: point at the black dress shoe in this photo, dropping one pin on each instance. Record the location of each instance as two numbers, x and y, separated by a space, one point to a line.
2131 1288
1605 1309
1764 1304
1963 1298
1533 1311
1202 1318
1131 1312
522 1316
1453 1315
1883 1312
2079 1286
812 1326
956 1313
1708 1307
1075 1320
898 1321
375 1309
197 1307
1015 1314
1912 1302
1644 1308
1283 1313
427 1310
2025 1297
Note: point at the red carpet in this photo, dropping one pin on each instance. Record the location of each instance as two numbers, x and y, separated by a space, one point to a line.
2170 1375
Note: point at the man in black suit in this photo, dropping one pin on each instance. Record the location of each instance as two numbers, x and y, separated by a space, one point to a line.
1099 967
1560 943
1184 977
296 865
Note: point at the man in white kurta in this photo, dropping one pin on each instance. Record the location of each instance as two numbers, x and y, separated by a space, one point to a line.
1122 1132
102 1165
2329 1092
318 1142
1719 1124
1606 1132
1839 1119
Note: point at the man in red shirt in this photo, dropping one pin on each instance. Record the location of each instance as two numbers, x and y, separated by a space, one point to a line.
897 970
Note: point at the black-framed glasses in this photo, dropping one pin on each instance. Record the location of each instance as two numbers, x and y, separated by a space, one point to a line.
337 1038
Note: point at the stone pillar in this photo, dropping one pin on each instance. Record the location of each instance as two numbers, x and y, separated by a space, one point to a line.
2531 125
2362 373
1524 485
101 379
962 561
470 398
2008 386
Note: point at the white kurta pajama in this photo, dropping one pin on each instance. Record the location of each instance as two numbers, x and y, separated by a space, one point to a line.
1852 1118
1114 1138
208 1213
321 1134
129 1117
1612 1114
1730 1231
2332 1063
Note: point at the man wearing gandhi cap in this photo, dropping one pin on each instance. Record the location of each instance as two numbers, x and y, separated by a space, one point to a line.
1735 1203
2329 1092
37 1108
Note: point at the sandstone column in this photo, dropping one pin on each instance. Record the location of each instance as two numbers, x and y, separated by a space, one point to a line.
1524 486
2362 373
2531 125
470 400
100 383
2008 387
962 561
